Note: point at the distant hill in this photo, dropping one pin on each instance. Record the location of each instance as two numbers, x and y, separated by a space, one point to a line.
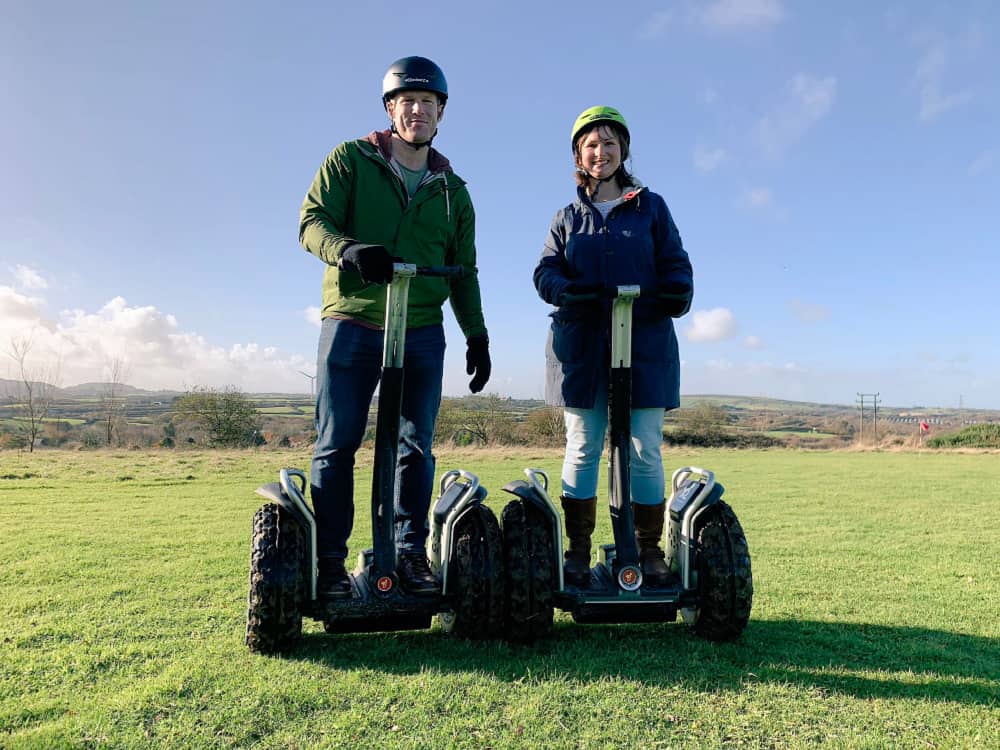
14 388
87 390
737 406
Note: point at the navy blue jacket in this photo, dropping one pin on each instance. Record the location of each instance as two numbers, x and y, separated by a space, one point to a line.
638 244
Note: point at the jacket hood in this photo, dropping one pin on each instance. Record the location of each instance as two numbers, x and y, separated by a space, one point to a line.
382 140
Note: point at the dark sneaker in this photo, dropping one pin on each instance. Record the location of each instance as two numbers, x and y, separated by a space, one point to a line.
333 583
415 574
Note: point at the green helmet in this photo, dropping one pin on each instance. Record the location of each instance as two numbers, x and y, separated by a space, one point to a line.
599 114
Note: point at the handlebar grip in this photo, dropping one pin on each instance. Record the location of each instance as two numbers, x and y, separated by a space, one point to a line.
452 272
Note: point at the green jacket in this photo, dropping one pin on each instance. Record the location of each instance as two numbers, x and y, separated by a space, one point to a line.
358 198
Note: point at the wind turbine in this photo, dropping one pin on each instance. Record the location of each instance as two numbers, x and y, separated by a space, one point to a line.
312 382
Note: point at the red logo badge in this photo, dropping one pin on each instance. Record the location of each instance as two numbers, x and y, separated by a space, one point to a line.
384 584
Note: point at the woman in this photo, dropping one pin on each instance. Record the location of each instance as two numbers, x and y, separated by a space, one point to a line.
615 233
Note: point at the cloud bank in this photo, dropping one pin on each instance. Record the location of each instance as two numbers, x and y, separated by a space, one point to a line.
157 352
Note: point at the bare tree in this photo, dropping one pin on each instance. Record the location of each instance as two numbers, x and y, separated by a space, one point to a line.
113 398
546 426
228 417
39 384
704 419
476 419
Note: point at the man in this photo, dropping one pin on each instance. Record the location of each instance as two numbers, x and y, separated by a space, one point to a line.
388 196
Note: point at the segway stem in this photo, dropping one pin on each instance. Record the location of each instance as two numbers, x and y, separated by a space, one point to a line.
390 404
626 563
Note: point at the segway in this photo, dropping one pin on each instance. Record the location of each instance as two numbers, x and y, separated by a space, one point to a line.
711 585
465 541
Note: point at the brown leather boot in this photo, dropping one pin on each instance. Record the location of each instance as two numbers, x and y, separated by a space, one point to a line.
649 534
581 517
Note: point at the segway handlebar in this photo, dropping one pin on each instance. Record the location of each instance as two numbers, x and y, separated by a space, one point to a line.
620 292
411 269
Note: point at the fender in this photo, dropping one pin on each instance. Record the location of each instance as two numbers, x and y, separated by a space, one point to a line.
536 492
689 499
460 491
290 495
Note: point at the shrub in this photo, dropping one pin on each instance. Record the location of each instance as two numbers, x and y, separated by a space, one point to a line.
973 436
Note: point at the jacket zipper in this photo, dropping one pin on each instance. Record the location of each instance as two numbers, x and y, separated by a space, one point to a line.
429 177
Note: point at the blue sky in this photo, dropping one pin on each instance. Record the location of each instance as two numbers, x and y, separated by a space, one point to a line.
834 169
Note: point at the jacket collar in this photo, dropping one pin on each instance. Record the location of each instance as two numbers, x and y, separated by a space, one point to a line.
630 193
382 140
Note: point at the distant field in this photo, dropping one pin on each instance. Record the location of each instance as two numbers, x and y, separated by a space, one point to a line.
876 620
801 434
288 411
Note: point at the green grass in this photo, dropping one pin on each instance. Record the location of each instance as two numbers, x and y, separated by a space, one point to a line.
876 620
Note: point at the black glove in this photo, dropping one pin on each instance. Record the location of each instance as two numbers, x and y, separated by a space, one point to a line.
477 360
373 262
675 298
592 292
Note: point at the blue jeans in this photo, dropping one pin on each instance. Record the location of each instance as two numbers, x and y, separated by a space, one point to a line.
585 433
349 364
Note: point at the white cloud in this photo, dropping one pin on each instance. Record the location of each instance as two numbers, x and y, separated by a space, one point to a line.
29 278
717 16
930 78
934 104
753 342
726 15
312 315
807 101
759 197
706 160
18 312
711 325
809 313
158 353
983 163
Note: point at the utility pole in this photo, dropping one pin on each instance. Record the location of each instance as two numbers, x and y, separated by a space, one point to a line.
873 400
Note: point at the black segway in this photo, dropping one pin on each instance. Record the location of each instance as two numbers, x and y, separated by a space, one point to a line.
465 545
711 583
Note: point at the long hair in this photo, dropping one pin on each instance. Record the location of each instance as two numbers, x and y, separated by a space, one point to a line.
623 178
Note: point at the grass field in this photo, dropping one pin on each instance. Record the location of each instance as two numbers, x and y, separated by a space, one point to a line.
876 620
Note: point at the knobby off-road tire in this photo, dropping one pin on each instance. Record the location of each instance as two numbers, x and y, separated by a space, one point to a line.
277 581
476 577
529 556
725 583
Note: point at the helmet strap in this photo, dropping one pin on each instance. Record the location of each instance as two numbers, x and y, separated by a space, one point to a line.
412 144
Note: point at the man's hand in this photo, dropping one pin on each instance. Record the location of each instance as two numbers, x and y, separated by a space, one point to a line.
477 361
373 262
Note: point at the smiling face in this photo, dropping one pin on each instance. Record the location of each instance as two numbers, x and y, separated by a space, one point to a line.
416 114
599 152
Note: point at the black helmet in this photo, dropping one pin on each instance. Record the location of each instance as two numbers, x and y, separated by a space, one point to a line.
414 74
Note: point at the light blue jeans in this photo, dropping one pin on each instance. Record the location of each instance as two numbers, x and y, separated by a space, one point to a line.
585 434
